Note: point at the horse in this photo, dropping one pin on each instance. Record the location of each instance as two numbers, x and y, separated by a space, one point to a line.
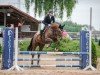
51 33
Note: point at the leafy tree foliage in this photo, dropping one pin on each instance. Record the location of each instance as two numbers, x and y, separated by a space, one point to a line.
46 5
72 27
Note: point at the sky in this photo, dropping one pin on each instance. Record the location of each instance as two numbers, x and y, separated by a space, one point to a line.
81 13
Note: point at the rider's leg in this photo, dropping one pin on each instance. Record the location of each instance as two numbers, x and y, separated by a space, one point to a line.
42 31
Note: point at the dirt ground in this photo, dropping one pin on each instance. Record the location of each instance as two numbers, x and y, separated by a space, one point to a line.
51 70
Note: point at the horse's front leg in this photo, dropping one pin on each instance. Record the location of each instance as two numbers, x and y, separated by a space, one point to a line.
33 49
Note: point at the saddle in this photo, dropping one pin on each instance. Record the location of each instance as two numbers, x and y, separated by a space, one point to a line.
53 26
44 30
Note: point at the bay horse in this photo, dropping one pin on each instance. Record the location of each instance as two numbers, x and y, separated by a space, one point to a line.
51 33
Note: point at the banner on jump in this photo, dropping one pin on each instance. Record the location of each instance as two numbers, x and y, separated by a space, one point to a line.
8 48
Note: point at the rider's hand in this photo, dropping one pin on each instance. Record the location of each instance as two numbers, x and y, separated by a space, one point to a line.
48 24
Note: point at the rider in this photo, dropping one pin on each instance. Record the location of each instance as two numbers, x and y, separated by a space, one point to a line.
49 18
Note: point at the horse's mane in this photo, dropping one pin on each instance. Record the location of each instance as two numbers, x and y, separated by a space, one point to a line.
54 26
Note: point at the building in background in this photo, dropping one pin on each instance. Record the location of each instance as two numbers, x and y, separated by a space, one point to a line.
14 11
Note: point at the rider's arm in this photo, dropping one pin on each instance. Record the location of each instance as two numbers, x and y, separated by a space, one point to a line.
53 19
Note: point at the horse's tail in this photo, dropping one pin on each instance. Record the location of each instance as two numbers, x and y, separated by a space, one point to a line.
29 48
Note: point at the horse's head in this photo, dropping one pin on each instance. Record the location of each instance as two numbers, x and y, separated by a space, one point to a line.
53 32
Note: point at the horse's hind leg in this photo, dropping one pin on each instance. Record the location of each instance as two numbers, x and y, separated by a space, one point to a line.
38 59
33 49
32 60
40 49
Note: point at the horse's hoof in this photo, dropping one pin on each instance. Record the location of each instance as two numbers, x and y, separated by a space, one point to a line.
38 65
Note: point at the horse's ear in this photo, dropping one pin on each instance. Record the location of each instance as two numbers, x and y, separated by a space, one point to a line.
60 26
63 26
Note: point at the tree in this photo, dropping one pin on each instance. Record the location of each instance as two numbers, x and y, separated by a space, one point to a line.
72 27
46 5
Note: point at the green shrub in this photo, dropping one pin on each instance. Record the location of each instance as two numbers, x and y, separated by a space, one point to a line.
99 42
66 45
0 49
94 55
23 45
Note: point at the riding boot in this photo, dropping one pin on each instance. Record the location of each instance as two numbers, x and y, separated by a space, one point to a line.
41 32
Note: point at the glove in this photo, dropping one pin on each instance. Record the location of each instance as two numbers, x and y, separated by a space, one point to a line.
49 24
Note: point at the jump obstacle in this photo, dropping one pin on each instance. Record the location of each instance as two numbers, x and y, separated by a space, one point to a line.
8 51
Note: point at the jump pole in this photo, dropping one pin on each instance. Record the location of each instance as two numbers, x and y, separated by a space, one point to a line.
16 67
90 44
